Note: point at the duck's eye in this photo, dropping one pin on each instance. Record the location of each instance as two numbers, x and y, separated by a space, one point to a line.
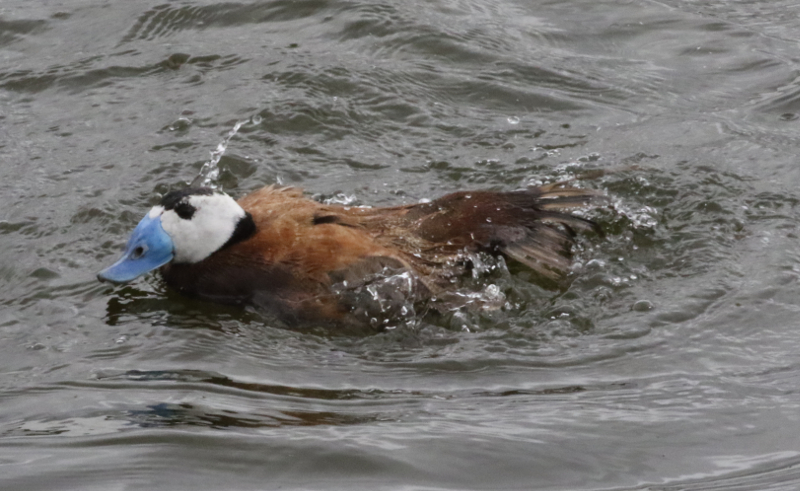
185 210
138 252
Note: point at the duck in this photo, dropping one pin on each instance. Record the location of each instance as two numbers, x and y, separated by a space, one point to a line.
277 250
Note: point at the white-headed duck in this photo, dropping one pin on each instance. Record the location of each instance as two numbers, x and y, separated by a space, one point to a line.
278 250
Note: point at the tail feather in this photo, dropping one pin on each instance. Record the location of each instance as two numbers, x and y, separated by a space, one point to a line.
534 226
543 248
548 265
566 202
571 221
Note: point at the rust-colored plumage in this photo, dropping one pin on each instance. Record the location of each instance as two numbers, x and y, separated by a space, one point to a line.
301 248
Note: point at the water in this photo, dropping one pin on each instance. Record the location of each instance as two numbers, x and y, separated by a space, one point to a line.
669 362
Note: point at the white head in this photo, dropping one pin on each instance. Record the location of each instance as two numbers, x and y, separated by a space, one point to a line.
199 224
187 227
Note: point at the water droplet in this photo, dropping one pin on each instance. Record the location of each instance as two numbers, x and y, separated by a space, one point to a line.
181 124
256 119
596 264
210 171
513 120
341 199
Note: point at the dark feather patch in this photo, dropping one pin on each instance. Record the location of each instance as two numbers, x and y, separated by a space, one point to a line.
177 201
320 219
245 229
185 210
174 198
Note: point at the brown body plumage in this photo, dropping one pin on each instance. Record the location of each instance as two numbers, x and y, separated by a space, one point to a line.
300 248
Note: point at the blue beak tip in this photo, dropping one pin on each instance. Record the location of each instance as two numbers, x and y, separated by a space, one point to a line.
101 276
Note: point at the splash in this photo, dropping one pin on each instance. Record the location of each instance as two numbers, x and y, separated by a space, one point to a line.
385 300
341 199
209 173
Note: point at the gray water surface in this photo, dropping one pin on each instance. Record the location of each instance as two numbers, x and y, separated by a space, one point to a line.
671 361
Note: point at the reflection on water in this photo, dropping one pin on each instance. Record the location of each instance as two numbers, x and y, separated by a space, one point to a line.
668 360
